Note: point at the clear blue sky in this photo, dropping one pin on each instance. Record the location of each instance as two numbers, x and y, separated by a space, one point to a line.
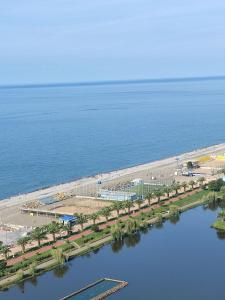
89 40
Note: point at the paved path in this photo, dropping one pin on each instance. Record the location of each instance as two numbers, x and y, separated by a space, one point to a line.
88 231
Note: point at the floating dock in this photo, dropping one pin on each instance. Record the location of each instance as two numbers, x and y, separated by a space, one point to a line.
98 290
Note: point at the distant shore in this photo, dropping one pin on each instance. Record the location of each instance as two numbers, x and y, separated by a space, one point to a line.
91 181
110 82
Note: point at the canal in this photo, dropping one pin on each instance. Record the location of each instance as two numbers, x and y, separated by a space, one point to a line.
180 260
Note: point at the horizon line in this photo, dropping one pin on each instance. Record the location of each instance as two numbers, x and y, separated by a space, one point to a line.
111 82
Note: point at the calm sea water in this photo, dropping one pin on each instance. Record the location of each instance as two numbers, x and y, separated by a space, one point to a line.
54 135
183 261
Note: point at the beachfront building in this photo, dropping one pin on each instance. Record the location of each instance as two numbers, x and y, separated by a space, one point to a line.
117 195
137 181
67 220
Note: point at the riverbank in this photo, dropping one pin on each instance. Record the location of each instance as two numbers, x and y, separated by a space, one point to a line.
219 225
83 244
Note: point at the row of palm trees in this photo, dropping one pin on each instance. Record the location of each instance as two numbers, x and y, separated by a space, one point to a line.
133 225
119 230
174 189
40 233
127 205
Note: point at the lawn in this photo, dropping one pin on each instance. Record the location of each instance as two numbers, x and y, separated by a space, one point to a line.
219 224
192 198
144 189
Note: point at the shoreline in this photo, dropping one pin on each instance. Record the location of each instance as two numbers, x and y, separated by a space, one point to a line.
49 264
108 176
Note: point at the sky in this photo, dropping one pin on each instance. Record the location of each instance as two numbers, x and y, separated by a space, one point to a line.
50 41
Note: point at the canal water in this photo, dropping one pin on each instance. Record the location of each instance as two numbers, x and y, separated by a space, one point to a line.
183 260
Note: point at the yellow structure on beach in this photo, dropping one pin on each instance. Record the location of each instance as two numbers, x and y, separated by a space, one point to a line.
204 159
220 157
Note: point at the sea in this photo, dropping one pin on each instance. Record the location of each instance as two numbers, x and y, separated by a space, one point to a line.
58 133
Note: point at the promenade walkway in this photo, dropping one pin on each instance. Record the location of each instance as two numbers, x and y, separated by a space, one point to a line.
77 235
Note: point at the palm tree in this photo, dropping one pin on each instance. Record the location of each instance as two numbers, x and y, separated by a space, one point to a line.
117 232
5 250
117 206
139 202
192 184
201 180
81 220
68 228
174 214
32 269
150 196
222 193
158 194
167 191
128 204
131 225
174 209
58 256
184 186
105 212
159 219
38 234
176 187
23 241
94 217
211 198
53 228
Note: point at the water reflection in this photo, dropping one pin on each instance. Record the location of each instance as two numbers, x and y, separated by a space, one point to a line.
33 280
174 218
214 205
221 234
95 251
117 246
21 286
60 271
144 230
159 225
132 240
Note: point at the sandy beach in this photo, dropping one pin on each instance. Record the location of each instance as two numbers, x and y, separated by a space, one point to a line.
14 224
81 186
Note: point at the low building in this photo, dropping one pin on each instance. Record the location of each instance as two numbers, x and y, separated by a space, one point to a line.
117 195
68 219
137 181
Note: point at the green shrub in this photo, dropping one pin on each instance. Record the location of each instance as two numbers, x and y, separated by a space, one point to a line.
95 228
216 185
2 265
67 246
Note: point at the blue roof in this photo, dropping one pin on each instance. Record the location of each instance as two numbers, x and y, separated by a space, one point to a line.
68 218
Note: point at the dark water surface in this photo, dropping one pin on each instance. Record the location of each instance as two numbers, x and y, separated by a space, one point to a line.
56 134
183 261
